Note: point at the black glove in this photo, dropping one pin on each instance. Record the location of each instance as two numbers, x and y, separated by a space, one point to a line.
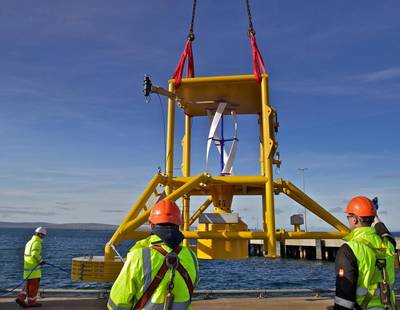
375 203
42 263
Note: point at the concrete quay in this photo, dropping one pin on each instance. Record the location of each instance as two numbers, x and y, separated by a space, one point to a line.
91 303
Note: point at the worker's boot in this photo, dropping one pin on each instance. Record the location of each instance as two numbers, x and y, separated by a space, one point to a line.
21 303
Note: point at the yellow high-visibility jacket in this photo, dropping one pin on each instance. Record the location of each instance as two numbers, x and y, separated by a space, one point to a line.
140 269
33 257
367 247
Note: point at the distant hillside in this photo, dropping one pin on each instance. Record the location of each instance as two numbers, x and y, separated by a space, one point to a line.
32 225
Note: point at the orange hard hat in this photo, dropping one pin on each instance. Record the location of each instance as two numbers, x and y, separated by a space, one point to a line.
361 206
165 211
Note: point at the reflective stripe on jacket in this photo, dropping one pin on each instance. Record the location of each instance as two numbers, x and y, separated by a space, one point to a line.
140 269
367 247
32 257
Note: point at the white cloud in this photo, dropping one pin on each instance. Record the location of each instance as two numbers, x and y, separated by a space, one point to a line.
381 75
352 86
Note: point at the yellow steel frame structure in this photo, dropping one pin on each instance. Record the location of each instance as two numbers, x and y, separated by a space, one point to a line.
246 96
185 186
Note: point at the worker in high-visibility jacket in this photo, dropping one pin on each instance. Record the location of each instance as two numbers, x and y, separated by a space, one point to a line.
159 272
32 270
365 264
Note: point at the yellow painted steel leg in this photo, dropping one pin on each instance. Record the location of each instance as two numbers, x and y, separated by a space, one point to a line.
137 207
262 172
143 217
186 147
270 212
170 140
186 173
264 224
297 195
186 216
262 156
269 148
202 208
148 191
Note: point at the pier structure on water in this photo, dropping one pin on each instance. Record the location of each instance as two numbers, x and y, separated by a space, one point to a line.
319 249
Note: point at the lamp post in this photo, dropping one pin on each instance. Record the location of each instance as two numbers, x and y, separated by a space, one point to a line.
303 170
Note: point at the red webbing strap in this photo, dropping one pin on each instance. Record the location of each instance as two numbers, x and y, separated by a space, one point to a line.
187 53
157 279
160 249
257 59
186 277
154 284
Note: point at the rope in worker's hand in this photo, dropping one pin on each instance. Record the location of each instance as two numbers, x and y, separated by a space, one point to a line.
8 292
57 267
12 290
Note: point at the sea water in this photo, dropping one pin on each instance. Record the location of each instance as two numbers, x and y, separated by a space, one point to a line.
60 246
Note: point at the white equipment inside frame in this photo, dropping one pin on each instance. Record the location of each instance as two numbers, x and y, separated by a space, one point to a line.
214 119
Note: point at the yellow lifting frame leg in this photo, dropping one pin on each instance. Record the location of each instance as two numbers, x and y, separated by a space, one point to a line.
169 160
269 146
297 195
202 208
262 172
186 173
186 215
137 207
143 217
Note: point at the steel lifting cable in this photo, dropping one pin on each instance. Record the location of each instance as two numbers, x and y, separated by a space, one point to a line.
251 28
257 58
191 33
187 53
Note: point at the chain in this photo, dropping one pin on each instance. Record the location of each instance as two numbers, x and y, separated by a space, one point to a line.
170 286
191 33
172 262
251 30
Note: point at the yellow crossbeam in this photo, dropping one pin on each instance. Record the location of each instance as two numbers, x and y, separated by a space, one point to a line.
143 217
136 208
256 235
229 180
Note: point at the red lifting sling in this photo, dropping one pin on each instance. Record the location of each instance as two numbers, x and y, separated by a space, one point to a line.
188 52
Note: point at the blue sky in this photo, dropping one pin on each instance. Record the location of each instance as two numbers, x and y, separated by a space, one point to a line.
79 142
